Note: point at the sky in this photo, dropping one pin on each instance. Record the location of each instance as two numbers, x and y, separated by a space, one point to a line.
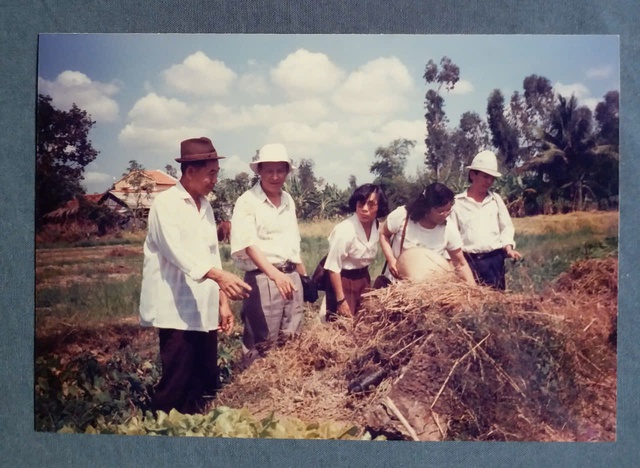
330 98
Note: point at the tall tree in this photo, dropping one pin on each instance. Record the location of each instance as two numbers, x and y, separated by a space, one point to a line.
504 136
470 137
608 117
63 150
353 182
575 166
138 192
437 140
306 174
388 167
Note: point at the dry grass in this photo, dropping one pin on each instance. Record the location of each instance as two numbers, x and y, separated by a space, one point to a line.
600 222
475 363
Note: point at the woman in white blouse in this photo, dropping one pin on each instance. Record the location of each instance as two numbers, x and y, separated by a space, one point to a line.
426 226
353 246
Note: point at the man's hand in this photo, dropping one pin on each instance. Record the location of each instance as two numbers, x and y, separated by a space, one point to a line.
284 284
229 283
514 254
226 318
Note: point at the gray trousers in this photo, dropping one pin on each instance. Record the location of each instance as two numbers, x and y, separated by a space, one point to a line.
267 315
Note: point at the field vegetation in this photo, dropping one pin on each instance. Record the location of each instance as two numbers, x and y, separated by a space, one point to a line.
95 364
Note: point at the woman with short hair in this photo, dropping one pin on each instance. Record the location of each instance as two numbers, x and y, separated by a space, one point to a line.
353 246
423 223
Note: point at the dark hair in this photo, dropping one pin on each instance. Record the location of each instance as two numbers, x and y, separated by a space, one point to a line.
195 164
362 194
433 196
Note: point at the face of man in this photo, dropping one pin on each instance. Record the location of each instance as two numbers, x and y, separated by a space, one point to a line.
481 180
203 179
273 175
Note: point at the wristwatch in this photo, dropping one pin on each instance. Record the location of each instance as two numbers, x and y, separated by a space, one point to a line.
338 303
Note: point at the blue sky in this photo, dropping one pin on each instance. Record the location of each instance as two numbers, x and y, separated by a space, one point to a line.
331 98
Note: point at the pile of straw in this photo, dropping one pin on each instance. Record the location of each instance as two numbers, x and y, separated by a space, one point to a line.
459 363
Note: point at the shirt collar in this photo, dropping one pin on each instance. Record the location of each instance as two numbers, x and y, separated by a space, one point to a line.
465 195
187 196
360 234
262 196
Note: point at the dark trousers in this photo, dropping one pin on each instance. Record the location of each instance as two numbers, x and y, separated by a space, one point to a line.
488 268
189 370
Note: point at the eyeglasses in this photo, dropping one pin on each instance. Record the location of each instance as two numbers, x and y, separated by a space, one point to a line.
370 204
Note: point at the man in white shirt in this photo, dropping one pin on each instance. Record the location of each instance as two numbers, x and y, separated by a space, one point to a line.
265 243
484 223
184 289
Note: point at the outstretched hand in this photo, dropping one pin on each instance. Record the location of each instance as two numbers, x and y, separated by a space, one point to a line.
230 284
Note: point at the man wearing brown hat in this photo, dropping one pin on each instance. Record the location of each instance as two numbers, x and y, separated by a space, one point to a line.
185 292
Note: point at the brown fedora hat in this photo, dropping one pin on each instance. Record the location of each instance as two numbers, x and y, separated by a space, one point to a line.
197 149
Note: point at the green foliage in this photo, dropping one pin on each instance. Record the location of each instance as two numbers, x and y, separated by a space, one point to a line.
225 422
84 396
63 150
70 396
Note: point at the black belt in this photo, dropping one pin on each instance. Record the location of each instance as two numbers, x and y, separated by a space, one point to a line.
484 255
287 267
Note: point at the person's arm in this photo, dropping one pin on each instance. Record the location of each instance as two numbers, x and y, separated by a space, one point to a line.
461 266
231 285
387 250
336 284
507 231
282 281
164 230
226 315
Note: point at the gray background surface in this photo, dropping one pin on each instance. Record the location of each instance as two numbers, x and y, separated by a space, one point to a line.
22 20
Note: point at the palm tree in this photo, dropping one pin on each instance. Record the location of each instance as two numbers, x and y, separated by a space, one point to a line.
571 164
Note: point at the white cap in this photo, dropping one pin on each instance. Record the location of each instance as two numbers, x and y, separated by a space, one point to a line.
273 152
485 161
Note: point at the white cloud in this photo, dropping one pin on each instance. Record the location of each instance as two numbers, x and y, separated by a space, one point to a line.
97 182
253 85
580 91
602 72
233 165
302 73
92 96
159 111
199 75
462 87
577 89
378 87
263 115
136 137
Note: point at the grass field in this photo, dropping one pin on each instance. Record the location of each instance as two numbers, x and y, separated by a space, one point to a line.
80 284
93 361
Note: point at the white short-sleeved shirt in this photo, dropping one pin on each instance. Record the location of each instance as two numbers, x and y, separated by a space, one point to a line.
441 239
180 248
349 248
484 226
274 230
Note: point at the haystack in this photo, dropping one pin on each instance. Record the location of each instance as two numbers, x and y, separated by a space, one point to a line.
446 361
